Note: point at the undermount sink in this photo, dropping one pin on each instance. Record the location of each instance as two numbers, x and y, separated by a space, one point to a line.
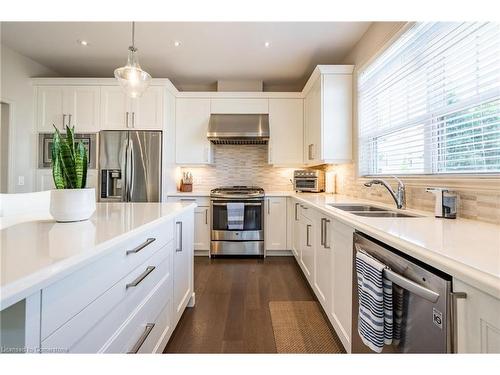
357 207
384 214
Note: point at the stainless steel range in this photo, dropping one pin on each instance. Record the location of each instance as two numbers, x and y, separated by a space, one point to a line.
237 220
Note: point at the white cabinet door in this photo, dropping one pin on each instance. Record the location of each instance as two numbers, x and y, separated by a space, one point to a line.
50 108
339 238
307 247
275 223
478 320
296 238
237 105
312 133
191 123
202 228
81 104
183 262
323 263
147 111
286 141
115 108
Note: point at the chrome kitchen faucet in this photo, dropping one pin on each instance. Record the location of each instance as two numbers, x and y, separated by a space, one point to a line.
399 196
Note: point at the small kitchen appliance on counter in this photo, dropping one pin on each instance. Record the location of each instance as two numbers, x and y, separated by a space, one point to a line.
446 202
237 221
311 181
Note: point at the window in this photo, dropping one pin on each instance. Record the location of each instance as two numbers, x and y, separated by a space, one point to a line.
430 104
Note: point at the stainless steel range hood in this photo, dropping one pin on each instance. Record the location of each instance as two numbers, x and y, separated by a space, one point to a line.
240 129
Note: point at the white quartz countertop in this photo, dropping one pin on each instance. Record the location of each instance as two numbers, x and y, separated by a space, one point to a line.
36 251
466 249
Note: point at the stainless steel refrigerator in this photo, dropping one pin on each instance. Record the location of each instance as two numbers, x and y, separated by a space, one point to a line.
130 166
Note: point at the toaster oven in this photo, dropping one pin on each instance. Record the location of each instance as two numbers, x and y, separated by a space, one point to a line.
311 181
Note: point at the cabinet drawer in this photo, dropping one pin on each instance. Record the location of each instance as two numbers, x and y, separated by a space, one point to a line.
200 201
92 328
156 310
67 297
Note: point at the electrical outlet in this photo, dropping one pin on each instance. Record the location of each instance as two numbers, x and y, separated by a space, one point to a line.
20 180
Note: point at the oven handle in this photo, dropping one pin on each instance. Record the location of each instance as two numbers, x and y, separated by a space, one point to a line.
245 203
407 284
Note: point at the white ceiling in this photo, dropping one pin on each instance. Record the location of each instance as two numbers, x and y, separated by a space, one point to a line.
209 51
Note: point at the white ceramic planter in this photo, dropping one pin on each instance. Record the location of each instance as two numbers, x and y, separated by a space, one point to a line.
72 204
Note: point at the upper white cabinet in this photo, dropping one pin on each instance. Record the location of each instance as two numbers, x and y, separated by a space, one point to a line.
328 115
121 112
275 222
237 105
478 320
286 123
68 105
191 124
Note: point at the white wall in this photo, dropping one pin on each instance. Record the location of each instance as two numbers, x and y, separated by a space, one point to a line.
16 89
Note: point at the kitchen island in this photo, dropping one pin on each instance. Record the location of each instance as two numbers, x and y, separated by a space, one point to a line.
118 282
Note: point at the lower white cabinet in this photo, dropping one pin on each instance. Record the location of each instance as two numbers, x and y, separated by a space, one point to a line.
478 320
307 243
183 262
202 228
339 237
323 262
275 222
128 301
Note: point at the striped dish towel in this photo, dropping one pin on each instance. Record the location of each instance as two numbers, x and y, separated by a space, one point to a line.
235 215
375 303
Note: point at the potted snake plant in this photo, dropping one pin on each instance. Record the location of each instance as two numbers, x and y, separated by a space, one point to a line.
70 201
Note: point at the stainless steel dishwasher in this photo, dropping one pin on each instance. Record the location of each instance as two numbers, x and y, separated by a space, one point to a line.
427 324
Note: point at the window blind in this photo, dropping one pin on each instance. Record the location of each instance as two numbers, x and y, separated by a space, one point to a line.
430 103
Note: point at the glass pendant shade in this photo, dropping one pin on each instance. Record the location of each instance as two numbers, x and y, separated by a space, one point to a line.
131 77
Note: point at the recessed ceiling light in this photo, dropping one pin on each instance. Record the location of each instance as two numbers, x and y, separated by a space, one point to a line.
82 42
177 43
267 44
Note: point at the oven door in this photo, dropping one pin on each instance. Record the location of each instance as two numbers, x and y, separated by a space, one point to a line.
306 184
253 222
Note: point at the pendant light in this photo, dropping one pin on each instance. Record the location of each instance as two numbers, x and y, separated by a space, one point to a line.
131 77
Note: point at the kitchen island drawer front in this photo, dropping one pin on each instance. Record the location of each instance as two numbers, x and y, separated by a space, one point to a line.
67 297
200 201
150 325
90 329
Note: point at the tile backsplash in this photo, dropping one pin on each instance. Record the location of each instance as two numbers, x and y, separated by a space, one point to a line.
241 165
483 205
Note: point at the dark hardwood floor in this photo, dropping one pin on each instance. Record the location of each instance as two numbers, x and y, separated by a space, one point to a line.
232 313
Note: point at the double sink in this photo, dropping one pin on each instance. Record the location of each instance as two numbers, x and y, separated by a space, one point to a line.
368 210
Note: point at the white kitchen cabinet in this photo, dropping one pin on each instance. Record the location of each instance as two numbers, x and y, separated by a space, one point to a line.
183 263
239 105
275 223
68 105
328 116
307 243
286 126
296 228
192 116
120 112
478 320
202 229
323 262
340 237
44 180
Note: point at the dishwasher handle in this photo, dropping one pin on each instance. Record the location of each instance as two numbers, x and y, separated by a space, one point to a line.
405 283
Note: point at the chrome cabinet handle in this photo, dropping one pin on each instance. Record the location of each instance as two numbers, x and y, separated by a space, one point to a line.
141 277
188 199
126 119
326 242
64 120
310 151
206 216
141 246
268 206
296 214
179 236
69 120
133 119
308 227
322 237
453 319
144 336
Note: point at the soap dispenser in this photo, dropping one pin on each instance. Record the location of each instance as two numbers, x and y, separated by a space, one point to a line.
446 202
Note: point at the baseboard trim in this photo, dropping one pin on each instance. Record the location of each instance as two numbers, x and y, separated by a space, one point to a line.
279 253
